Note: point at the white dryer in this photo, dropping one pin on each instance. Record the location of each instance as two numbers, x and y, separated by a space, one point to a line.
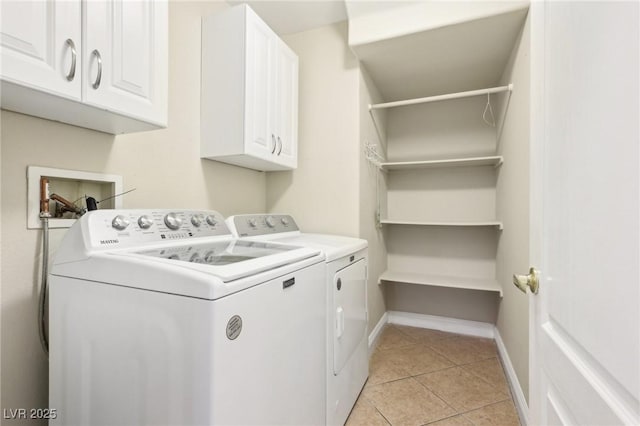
346 274
162 317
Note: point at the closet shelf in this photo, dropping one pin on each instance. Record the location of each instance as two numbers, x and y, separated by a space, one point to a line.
430 223
441 281
488 91
453 162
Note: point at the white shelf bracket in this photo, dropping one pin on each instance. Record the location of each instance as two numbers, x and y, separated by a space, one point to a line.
375 158
372 155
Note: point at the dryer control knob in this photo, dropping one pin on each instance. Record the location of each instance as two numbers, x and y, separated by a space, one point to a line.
145 222
120 222
253 223
284 221
271 222
211 220
196 220
172 221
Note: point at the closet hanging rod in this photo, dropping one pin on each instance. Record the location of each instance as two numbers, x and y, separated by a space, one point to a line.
442 97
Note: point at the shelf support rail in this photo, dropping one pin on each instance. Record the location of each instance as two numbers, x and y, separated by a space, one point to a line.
504 115
467 94
375 158
375 124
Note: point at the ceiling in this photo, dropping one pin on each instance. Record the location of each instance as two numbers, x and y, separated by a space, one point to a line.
287 17
293 16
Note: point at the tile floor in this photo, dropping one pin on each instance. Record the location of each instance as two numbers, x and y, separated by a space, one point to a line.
419 376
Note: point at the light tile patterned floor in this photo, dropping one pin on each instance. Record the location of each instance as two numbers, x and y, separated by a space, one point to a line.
419 376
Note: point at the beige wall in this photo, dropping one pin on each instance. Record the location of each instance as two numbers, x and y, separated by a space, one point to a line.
322 193
163 165
513 210
458 303
369 192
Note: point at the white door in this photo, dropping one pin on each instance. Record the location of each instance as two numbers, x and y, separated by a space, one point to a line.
40 44
125 57
286 105
585 321
260 139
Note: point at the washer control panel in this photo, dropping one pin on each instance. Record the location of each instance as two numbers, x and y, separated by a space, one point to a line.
127 228
252 225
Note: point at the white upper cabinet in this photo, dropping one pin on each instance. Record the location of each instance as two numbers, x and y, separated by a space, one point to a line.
286 101
124 56
40 43
99 64
259 140
249 93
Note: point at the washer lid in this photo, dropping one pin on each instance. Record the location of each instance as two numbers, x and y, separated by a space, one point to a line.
228 259
333 246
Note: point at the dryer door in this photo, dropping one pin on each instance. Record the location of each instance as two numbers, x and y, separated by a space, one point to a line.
350 312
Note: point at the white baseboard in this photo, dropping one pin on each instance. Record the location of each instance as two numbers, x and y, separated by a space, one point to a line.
514 384
451 325
375 333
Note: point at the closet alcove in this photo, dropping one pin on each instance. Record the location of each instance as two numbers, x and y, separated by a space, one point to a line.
451 152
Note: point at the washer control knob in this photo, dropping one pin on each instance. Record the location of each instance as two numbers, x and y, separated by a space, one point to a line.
211 220
196 220
284 221
172 221
120 222
145 222
253 223
271 222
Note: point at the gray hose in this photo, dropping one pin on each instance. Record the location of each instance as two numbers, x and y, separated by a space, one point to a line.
43 286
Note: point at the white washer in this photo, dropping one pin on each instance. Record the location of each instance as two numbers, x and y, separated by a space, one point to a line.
346 271
162 317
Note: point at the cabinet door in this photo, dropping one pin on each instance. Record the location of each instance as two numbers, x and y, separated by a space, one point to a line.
286 106
37 40
260 139
125 57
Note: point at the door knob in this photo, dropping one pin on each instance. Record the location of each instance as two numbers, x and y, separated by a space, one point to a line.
524 281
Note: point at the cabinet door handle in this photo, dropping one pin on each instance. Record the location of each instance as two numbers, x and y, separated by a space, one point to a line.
96 83
72 71
280 141
275 144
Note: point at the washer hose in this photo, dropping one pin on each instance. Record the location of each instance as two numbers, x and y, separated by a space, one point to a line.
43 285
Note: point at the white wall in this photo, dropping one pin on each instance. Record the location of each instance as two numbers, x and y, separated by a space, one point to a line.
163 165
513 210
322 193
